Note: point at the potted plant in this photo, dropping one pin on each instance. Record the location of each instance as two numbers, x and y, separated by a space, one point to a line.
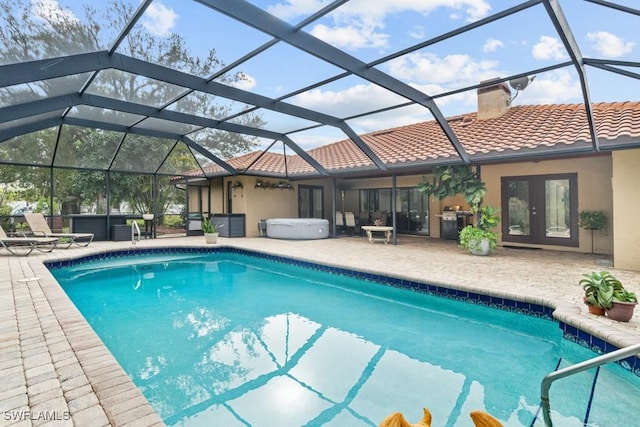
481 240
210 230
593 221
598 291
622 305
605 291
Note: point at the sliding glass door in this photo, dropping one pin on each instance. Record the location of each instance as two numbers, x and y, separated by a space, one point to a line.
310 201
540 209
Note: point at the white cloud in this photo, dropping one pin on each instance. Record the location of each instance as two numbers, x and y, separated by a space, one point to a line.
491 45
292 9
349 101
159 20
361 23
423 68
246 82
609 45
555 87
50 10
549 48
350 37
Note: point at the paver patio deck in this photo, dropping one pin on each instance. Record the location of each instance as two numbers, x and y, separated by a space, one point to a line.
55 371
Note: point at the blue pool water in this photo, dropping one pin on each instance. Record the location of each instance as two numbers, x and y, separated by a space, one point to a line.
228 339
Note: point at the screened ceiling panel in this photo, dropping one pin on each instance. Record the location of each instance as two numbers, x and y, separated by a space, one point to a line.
134 88
392 118
261 77
223 80
347 97
104 115
30 120
167 126
142 154
86 148
371 31
34 148
179 161
46 26
23 93
349 154
474 56
275 121
162 19
203 104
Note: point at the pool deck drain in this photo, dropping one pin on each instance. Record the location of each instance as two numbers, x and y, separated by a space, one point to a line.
56 371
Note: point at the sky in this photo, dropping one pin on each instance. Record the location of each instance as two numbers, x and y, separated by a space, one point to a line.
369 30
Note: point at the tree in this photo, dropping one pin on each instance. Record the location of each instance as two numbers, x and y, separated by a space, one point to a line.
40 29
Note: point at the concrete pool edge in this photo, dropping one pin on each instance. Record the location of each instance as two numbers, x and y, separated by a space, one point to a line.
121 401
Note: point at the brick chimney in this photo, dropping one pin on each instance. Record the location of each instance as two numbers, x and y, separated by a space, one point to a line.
493 101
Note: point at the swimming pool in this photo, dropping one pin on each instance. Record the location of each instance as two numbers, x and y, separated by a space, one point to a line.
228 338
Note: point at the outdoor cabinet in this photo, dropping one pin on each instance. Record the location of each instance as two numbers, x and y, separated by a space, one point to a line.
229 225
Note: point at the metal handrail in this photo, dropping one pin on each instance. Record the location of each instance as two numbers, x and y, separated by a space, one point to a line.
545 385
134 226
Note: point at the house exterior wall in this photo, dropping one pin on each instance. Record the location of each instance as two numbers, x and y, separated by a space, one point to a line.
263 203
594 192
626 204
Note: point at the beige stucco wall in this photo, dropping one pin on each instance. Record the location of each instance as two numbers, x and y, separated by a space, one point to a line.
594 192
262 203
626 205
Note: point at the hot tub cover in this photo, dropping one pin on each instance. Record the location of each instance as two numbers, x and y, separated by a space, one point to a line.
298 228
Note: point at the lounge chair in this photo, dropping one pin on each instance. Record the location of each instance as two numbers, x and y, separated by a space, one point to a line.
350 222
339 221
43 244
39 227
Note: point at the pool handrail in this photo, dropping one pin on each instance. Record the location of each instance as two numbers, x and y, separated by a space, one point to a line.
134 228
545 385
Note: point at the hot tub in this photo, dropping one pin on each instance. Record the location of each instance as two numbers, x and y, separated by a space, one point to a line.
298 228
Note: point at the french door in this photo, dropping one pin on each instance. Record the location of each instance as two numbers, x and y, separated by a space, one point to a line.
540 209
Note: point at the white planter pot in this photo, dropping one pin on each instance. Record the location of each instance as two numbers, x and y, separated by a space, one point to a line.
483 248
211 237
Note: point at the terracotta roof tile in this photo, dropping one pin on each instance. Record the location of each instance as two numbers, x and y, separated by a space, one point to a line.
522 127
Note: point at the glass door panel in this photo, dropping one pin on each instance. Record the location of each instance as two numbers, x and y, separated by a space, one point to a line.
310 201
518 220
557 208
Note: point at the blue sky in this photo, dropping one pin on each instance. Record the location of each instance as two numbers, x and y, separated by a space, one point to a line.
369 30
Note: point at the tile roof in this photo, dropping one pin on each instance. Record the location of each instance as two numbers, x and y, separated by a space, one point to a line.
520 129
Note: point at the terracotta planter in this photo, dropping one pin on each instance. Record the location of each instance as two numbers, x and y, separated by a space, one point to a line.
593 309
621 311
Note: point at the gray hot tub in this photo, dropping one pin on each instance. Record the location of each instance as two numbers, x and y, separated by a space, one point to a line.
298 228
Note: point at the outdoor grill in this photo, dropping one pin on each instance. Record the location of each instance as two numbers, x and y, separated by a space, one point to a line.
452 220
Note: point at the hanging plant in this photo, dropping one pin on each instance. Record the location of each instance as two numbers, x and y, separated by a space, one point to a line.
447 181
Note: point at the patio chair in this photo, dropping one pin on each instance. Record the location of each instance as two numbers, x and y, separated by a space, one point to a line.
39 227
350 222
43 244
339 221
